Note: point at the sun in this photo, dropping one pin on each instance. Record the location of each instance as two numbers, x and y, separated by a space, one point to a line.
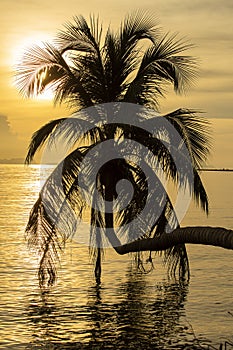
46 95
35 38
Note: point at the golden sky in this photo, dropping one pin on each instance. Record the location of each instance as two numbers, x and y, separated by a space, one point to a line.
206 23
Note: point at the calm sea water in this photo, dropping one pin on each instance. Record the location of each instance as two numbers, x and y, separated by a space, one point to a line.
128 310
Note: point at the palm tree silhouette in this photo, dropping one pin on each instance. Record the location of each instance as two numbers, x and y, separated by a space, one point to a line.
132 66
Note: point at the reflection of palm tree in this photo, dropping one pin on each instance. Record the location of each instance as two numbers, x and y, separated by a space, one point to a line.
144 318
86 72
43 323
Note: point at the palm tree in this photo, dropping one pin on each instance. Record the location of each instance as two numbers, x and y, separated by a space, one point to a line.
88 71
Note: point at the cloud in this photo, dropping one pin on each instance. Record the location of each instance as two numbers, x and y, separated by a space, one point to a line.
4 125
200 6
10 145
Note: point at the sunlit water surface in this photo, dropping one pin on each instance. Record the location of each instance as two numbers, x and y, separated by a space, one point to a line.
128 310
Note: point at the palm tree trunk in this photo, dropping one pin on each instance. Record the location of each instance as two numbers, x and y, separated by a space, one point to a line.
110 232
214 236
98 266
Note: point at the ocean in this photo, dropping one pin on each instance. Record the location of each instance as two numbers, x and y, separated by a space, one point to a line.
129 309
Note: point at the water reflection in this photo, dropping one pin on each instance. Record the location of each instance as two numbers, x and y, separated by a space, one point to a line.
144 317
140 320
124 309
42 314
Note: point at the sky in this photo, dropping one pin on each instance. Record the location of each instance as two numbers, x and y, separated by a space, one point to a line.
206 23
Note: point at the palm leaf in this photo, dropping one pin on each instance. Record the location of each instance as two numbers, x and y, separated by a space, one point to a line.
41 67
43 238
54 216
40 136
199 192
80 36
77 36
195 132
162 63
122 56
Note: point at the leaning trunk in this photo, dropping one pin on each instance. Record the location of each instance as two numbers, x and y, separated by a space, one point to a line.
214 236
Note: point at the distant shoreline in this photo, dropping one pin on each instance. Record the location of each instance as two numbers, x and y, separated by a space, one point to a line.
216 169
12 161
15 161
21 161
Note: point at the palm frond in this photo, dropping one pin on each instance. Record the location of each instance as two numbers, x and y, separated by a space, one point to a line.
70 179
80 34
43 238
40 67
69 129
151 145
162 63
176 259
171 64
46 230
81 128
195 131
136 26
40 137
74 38
54 217
122 57
73 91
199 192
